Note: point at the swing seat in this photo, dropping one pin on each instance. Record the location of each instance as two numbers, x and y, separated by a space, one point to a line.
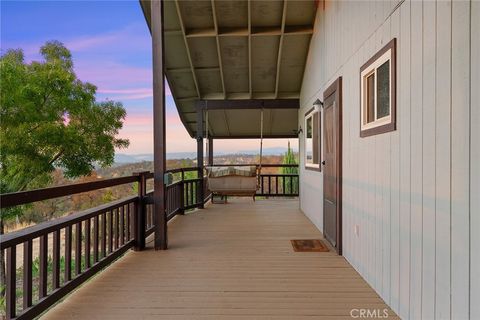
232 180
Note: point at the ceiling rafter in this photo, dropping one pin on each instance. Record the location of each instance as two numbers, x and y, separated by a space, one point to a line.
182 26
280 45
220 64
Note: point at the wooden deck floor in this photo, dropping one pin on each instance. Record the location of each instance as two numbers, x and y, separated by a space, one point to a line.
232 261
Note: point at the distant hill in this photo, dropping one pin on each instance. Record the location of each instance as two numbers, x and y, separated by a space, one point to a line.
121 158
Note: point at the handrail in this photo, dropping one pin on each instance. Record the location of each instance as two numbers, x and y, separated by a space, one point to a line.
264 165
24 197
177 170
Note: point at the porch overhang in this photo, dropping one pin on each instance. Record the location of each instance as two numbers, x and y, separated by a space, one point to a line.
231 51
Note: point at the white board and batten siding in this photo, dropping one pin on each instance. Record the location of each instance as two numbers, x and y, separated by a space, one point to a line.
414 193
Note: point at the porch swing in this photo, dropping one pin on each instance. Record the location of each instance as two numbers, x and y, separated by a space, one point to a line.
227 180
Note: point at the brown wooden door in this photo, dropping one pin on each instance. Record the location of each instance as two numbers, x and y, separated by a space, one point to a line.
332 164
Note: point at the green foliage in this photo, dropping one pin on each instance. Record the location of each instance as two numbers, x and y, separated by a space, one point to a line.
289 158
49 119
108 196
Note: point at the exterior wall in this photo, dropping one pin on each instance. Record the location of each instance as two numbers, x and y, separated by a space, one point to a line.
413 193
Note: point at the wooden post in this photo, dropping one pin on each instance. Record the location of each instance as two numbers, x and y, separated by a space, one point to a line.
200 193
210 151
159 160
140 212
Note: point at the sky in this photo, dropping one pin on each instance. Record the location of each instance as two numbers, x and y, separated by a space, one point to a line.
111 48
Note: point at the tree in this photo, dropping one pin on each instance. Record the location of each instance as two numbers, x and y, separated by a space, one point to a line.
289 158
50 119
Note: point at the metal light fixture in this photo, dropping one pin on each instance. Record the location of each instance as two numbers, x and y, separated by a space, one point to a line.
317 105
299 131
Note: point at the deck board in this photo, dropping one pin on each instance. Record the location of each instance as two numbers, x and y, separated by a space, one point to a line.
230 261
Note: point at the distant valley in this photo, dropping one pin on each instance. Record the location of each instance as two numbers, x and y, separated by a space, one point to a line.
121 158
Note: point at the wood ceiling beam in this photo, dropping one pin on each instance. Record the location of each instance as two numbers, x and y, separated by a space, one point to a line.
220 65
248 104
280 45
250 136
182 26
189 69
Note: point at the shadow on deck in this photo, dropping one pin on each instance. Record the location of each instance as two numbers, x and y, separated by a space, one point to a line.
230 261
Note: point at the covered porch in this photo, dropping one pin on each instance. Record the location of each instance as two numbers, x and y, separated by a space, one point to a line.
227 262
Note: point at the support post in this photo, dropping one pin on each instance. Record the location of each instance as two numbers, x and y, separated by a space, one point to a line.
159 159
210 151
140 212
200 193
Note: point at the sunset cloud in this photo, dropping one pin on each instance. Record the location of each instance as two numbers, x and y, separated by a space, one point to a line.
111 48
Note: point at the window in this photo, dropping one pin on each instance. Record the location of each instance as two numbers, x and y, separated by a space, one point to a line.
312 140
377 86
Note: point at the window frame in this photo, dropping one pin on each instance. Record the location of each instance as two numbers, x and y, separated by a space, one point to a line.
310 115
387 123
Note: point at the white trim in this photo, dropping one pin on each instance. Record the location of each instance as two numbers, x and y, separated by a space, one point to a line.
372 68
310 116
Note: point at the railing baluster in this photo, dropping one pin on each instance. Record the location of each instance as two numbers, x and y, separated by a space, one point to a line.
68 253
43 270
110 231
148 223
192 192
276 184
27 274
150 215
11 285
87 243
269 185
56 260
284 191
122 225
95 239
127 230
261 184
291 185
104 235
78 248
116 231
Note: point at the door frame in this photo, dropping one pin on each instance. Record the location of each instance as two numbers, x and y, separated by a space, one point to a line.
336 89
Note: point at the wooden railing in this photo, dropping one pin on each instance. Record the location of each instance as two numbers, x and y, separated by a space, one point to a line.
73 248
278 185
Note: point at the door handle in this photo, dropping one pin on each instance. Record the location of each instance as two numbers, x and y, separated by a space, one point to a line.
323 162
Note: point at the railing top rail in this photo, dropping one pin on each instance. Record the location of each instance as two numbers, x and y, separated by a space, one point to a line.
17 237
24 197
176 170
266 165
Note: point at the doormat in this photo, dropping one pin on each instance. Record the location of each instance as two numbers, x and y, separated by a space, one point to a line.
314 245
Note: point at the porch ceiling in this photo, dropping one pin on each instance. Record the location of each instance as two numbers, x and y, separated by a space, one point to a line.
236 50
